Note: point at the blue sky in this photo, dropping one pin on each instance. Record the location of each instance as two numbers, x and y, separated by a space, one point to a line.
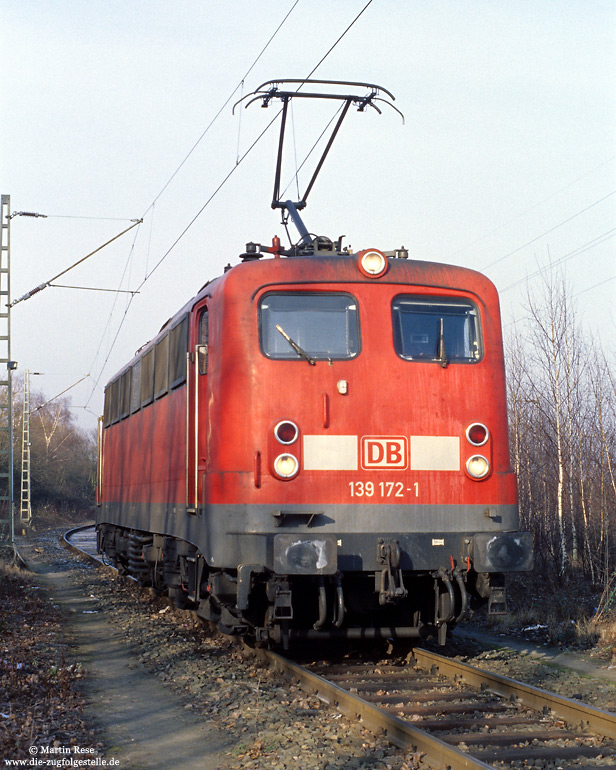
506 161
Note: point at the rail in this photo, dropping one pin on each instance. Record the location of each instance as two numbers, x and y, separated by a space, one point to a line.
536 722
82 541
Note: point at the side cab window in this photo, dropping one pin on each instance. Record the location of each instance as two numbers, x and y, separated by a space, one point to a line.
203 341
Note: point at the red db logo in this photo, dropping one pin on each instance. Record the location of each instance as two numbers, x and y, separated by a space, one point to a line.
384 452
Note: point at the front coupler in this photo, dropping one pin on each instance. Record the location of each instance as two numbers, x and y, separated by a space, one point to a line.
390 583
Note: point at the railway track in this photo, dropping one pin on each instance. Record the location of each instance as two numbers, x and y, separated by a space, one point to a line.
459 716
82 540
455 715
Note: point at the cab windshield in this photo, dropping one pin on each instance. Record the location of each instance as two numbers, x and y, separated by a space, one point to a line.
295 325
436 329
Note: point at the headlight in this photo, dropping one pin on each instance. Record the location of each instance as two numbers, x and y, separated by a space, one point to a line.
286 466
503 552
303 555
372 263
477 466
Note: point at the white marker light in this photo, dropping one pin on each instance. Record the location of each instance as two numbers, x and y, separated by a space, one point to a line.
477 466
286 466
372 263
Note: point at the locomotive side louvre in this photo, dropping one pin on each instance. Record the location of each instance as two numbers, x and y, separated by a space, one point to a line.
325 489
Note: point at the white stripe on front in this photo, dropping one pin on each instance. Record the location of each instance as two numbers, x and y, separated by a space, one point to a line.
330 453
435 453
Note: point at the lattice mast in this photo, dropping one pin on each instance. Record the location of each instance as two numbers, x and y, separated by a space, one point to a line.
7 513
25 509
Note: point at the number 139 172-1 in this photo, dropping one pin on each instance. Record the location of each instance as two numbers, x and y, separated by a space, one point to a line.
382 489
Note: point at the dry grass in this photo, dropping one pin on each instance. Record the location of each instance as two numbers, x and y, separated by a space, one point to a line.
569 613
50 517
600 632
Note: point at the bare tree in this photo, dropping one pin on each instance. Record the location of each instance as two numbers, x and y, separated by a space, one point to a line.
62 454
562 402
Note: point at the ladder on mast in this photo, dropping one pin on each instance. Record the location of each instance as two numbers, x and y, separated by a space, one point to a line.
25 510
7 521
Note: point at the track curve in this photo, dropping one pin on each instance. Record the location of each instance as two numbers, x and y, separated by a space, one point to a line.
82 541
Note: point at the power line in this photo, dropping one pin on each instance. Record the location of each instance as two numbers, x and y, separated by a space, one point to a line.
575 253
167 183
551 230
248 151
215 118
595 286
216 191
534 206
91 288
108 324
577 294
76 216
42 406
208 201
337 41
174 244
36 215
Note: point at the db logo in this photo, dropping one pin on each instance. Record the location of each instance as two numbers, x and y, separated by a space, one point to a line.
384 452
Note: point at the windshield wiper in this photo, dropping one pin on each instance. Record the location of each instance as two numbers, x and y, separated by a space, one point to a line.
440 351
295 346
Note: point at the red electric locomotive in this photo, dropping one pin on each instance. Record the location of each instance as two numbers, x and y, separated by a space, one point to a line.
316 446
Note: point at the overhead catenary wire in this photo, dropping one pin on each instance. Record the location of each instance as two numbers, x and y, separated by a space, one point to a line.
596 285
153 203
218 188
85 409
66 390
108 324
534 206
79 216
166 185
577 293
173 245
217 115
337 41
574 253
570 255
252 146
551 230
245 155
307 78
91 288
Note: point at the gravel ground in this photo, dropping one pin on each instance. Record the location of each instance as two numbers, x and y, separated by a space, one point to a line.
273 725
597 686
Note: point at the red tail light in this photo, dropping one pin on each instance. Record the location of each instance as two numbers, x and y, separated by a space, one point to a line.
286 432
477 434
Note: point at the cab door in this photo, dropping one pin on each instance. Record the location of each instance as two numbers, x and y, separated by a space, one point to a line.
196 412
